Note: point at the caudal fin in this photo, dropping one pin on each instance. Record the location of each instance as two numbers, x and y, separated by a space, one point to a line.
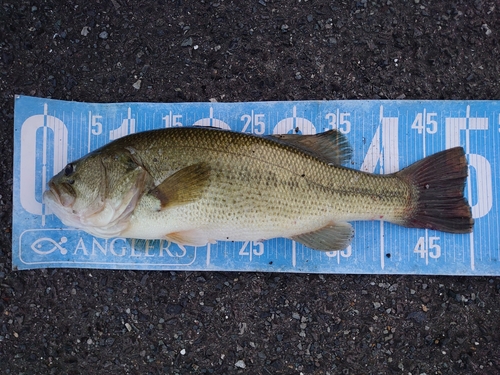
438 182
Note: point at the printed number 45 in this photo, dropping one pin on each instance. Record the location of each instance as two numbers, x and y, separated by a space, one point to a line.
425 122
429 248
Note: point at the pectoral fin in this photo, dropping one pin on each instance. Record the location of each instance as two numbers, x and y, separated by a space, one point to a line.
184 186
334 236
331 146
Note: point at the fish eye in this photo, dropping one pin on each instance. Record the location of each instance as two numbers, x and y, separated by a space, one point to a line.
69 169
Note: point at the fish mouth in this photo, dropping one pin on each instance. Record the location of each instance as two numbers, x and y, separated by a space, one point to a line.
102 218
62 194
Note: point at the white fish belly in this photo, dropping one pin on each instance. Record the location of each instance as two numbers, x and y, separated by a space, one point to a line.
196 224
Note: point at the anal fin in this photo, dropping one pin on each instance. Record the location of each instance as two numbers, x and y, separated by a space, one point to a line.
334 236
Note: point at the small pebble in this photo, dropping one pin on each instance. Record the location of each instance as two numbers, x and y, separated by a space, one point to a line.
137 85
240 364
85 31
187 42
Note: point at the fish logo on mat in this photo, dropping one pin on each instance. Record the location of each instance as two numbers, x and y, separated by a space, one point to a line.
46 245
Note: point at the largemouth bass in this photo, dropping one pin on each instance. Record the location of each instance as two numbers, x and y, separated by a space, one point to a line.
197 185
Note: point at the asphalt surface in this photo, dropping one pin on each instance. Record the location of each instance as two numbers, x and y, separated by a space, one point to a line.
125 322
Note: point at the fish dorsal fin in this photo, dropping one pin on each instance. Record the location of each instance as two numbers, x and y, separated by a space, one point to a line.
334 236
330 146
184 186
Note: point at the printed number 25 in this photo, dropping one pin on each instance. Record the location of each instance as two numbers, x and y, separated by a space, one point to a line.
255 122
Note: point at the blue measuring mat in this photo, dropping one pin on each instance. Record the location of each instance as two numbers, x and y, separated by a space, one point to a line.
386 136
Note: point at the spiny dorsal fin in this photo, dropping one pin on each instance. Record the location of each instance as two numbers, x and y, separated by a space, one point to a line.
334 236
184 186
330 146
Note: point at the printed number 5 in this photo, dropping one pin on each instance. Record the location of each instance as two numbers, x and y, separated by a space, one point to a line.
96 125
434 248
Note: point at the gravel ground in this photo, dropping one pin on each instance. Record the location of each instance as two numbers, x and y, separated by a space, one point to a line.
122 322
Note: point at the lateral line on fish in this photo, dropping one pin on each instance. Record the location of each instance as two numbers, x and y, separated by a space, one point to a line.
342 190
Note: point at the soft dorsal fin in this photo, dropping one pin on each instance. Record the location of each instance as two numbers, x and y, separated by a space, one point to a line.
330 146
184 186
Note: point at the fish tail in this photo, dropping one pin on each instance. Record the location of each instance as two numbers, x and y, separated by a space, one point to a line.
438 201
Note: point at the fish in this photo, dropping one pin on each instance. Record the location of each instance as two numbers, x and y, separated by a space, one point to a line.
199 185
